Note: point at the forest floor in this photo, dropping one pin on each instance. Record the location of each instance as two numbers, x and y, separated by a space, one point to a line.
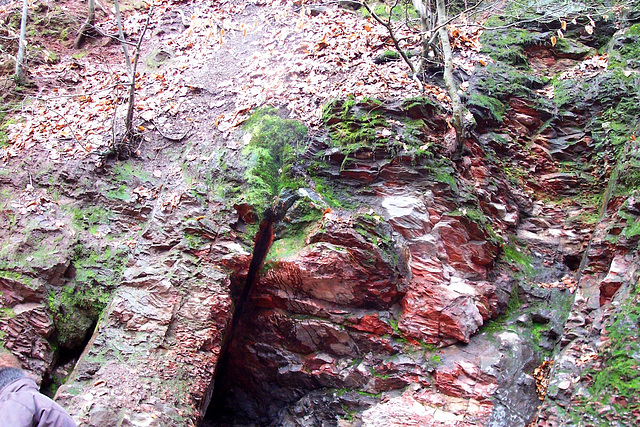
238 55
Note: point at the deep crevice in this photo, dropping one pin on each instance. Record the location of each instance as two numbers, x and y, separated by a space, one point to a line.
263 241
217 413
66 361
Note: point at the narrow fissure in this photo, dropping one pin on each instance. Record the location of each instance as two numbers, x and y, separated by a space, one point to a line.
217 413
66 361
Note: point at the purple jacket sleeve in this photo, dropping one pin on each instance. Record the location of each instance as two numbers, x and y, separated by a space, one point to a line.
15 414
54 417
28 408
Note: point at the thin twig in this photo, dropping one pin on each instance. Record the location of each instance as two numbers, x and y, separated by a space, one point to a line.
125 51
178 139
389 28
71 129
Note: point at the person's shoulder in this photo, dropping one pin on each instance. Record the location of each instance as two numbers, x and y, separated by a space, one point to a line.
51 413
22 384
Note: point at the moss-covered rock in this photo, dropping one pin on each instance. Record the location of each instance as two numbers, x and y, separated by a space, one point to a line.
272 152
624 49
494 84
77 306
507 45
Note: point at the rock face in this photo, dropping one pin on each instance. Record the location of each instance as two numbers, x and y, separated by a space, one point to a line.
402 287
368 295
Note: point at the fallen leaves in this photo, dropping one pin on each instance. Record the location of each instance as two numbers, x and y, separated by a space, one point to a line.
278 54
541 375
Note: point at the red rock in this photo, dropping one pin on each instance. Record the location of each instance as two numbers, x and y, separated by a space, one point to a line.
372 324
465 380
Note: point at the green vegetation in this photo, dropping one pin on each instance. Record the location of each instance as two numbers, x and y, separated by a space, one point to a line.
493 105
353 125
387 56
517 258
194 241
625 51
500 81
51 22
507 45
372 228
632 226
302 214
88 218
16 277
336 198
120 193
286 247
4 123
125 171
402 12
368 125
77 306
616 379
272 154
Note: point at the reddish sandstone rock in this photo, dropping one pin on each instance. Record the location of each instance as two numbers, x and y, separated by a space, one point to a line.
26 334
614 279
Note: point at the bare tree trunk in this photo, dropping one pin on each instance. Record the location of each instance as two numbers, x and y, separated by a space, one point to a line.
125 147
87 29
20 77
449 81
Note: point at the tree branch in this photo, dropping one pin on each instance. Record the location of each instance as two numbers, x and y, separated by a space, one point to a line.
389 28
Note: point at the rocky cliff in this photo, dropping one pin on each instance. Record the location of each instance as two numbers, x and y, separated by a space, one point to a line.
322 259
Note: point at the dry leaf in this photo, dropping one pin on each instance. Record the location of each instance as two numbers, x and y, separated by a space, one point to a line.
553 40
563 25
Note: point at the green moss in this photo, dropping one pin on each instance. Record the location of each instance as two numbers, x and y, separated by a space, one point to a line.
616 379
387 56
17 277
88 218
507 45
125 172
193 241
6 313
4 123
502 81
401 12
289 246
494 106
272 154
571 48
77 306
517 257
120 193
336 198
353 125
624 51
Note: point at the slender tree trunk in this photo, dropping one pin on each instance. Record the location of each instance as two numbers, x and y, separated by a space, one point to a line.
130 73
87 28
449 81
125 146
20 77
